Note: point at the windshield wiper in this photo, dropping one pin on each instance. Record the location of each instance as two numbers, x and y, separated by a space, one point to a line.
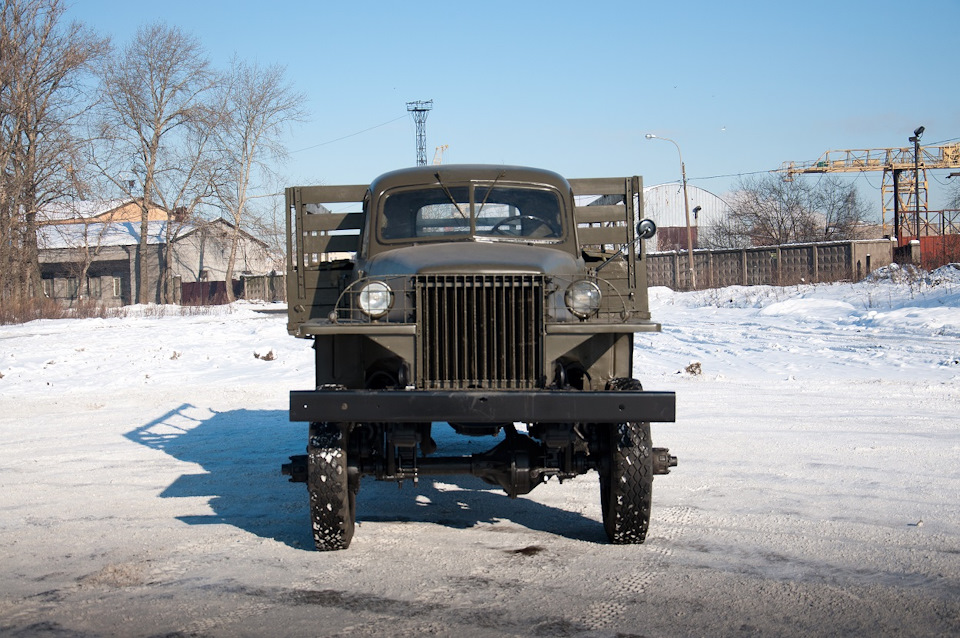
449 195
490 190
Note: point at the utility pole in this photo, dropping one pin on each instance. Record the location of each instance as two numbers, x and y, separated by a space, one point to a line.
686 208
420 109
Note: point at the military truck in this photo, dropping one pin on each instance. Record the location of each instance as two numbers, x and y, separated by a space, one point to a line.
498 301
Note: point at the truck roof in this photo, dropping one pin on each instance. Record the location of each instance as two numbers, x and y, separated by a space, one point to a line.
451 173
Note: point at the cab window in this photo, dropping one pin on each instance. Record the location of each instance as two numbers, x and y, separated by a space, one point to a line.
487 211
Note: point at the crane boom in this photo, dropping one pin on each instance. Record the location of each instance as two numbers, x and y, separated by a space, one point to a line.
904 187
877 159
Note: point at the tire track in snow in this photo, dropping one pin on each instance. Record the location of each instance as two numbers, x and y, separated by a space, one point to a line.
670 523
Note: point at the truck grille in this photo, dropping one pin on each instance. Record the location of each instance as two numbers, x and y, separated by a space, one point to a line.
480 331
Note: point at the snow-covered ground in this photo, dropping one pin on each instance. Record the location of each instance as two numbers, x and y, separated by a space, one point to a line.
817 491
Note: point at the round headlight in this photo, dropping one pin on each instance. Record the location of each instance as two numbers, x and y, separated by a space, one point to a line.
583 298
375 298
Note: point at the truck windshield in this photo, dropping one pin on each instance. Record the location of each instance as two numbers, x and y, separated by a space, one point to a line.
491 211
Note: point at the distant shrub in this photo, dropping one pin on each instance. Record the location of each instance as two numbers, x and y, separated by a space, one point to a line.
24 310
88 309
45 308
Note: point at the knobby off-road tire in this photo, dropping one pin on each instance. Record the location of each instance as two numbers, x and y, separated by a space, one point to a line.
626 479
332 497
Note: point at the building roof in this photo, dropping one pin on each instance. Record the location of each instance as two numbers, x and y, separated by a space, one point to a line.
108 210
64 211
54 236
664 204
51 236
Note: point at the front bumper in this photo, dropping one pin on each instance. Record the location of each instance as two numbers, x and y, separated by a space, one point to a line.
477 406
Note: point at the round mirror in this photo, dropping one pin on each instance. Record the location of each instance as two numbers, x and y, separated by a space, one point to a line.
646 229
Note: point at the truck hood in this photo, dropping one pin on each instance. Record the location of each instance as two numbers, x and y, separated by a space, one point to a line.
473 257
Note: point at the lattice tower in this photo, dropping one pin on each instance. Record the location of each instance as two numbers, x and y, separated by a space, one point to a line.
420 109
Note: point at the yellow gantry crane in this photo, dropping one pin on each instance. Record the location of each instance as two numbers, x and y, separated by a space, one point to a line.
904 188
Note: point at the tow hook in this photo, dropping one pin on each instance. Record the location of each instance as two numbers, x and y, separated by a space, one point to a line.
662 461
296 469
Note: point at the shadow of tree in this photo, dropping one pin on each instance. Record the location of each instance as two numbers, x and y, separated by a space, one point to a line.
240 452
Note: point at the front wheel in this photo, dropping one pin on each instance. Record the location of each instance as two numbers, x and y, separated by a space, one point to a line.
626 477
626 484
332 492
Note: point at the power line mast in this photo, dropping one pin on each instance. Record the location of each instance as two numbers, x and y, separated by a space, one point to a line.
420 109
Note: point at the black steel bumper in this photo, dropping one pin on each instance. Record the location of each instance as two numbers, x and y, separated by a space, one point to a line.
476 406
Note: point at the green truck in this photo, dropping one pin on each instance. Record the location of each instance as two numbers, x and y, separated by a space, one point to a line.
499 301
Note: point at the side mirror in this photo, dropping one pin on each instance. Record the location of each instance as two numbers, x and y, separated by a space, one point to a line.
646 229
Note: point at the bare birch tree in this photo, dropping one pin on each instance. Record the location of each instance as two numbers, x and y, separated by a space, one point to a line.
769 211
155 127
258 105
43 64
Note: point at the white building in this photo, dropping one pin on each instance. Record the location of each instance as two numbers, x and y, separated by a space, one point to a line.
663 203
100 261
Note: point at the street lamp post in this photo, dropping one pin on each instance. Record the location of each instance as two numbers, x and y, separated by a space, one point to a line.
917 133
686 208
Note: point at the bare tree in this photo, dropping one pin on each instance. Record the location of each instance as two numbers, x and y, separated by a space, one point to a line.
953 202
270 224
155 130
43 64
768 211
258 104
839 211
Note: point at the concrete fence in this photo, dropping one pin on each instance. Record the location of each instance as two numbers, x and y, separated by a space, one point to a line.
265 287
771 265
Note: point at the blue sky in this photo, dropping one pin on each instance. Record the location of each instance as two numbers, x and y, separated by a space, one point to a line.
574 86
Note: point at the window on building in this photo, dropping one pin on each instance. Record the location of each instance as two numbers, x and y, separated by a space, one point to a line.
70 287
93 287
117 286
48 287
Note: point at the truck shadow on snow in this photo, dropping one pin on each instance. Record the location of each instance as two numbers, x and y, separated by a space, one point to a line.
240 452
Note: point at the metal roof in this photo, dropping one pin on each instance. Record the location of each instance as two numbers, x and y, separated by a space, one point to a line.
102 234
61 211
99 234
663 203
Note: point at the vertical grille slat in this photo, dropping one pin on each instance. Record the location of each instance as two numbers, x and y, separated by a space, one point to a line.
480 331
